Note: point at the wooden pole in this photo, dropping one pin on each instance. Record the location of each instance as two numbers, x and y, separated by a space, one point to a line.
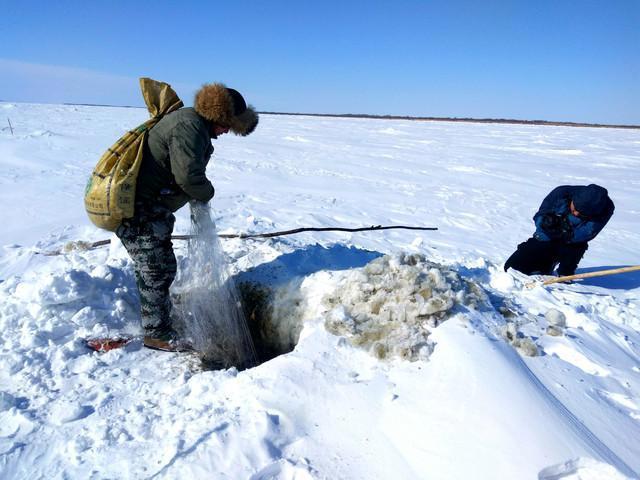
600 273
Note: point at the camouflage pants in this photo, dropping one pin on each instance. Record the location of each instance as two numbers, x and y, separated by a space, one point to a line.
147 238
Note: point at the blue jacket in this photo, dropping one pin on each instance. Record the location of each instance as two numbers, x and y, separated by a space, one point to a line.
574 229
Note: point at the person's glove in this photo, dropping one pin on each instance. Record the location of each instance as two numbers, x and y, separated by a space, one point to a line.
557 227
201 216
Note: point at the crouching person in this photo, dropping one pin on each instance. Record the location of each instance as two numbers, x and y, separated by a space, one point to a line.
569 217
172 173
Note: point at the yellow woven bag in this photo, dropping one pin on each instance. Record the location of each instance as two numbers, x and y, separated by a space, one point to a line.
111 190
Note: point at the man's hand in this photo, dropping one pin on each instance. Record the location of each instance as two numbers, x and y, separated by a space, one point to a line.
557 227
201 216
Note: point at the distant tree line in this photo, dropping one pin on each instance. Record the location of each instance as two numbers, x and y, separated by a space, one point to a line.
456 119
431 119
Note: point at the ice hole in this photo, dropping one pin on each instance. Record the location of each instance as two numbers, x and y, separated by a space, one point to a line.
274 302
385 304
274 317
389 307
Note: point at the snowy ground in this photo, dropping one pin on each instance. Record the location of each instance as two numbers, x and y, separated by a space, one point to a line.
475 409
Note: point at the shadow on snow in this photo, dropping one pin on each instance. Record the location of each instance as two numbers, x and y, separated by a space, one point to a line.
307 261
620 281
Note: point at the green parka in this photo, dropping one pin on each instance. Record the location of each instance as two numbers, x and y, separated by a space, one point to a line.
176 154
178 147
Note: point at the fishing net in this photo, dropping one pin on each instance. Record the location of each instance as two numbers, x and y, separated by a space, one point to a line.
206 300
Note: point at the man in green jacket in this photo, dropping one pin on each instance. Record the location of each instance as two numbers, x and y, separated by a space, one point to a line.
172 173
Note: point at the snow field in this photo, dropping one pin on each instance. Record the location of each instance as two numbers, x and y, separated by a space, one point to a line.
476 408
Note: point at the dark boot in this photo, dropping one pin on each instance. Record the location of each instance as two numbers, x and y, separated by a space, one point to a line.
570 255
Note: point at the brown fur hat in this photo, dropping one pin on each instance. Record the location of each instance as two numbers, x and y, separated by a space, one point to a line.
215 102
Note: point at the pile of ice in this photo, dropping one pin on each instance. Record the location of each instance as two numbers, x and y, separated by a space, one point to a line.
523 344
519 331
390 306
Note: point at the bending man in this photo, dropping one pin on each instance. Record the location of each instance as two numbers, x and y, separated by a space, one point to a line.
569 217
172 173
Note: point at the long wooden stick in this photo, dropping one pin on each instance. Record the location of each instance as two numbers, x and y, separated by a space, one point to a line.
600 273
91 246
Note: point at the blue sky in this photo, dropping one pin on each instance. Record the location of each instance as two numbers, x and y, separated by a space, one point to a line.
572 60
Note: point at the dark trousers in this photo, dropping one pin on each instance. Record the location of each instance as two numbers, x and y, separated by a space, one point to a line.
147 238
535 256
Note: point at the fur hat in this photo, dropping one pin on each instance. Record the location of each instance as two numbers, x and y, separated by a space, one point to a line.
226 107
591 200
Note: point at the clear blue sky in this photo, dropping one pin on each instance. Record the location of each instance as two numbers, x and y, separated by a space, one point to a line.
574 60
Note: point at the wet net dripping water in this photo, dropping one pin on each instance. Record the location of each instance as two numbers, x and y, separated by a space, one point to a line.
206 301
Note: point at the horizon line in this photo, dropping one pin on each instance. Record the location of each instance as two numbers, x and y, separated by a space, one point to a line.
508 121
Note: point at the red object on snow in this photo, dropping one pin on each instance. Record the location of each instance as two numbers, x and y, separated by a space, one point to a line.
106 344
